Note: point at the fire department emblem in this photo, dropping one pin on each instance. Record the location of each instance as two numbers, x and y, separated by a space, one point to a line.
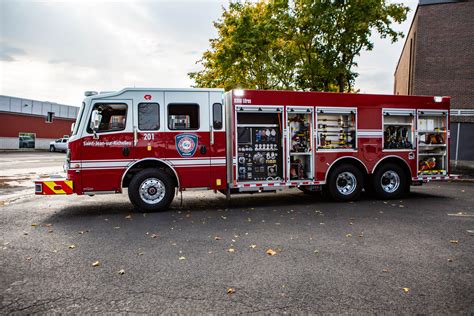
186 144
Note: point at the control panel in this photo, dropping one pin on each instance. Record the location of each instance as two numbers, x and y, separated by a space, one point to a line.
259 154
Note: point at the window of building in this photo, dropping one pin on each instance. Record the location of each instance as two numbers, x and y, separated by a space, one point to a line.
49 117
27 140
114 117
183 116
148 116
217 116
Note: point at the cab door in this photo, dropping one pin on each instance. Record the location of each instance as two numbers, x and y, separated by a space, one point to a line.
217 141
149 122
187 137
105 156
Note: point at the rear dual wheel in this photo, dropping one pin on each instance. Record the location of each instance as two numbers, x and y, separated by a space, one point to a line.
345 183
390 182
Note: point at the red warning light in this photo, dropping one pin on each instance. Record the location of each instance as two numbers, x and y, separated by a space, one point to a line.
147 97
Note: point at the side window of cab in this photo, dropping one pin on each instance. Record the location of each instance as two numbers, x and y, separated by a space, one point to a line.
114 117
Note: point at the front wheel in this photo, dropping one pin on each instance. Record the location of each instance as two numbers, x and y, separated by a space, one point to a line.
151 190
390 182
345 183
52 149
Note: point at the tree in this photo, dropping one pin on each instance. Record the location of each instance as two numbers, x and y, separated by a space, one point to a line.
298 44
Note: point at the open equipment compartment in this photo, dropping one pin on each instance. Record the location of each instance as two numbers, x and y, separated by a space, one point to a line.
398 129
432 142
300 143
336 128
259 144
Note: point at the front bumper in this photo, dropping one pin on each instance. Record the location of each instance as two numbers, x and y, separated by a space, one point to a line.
53 186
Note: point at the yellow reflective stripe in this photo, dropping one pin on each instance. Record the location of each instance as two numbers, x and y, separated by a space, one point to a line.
51 185
68 183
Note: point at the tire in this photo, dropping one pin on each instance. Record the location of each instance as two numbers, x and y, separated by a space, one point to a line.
151 190
345 183
390 182
52 149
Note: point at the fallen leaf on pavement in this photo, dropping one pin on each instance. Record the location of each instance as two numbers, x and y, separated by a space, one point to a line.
154 236
25 233
348 235
231 250
217 238
72 246
95 263
128 216
182 258
454 241
253 246
386 270
34 224
28 258
271 252
450 260
230 291
117 227
406 290
121 271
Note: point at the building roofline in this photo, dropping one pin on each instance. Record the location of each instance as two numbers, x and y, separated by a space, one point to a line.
430 2
406 39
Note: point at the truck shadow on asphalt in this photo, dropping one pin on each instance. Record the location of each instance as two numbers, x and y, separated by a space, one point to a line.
218 203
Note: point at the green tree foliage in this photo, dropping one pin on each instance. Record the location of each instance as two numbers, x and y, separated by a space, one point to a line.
295 44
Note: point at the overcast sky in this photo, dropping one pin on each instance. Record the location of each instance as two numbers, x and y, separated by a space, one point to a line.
55 50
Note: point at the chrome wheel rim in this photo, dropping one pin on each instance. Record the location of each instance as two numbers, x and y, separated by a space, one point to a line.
390 181
152 191
346 183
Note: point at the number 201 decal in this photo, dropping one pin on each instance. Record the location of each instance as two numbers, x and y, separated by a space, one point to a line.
149 136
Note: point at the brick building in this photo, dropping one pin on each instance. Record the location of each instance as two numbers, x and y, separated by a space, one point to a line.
438 59
30 124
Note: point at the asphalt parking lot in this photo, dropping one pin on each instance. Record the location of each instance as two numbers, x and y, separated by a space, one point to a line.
79 254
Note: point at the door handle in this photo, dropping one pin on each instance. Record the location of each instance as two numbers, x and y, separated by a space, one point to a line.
203 149
135 136
126 151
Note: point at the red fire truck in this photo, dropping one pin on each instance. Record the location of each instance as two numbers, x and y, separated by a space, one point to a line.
157 142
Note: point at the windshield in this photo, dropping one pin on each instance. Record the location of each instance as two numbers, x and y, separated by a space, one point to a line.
78 120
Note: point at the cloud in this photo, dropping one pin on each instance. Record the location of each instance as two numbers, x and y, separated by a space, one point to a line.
8 53
101 45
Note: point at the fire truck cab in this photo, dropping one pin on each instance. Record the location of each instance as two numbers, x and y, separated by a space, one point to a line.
157 142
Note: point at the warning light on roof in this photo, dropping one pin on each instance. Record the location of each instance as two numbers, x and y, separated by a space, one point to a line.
147 96
438 99
239 93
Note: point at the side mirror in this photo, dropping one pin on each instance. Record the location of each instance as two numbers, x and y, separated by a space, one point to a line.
73 125
95 122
